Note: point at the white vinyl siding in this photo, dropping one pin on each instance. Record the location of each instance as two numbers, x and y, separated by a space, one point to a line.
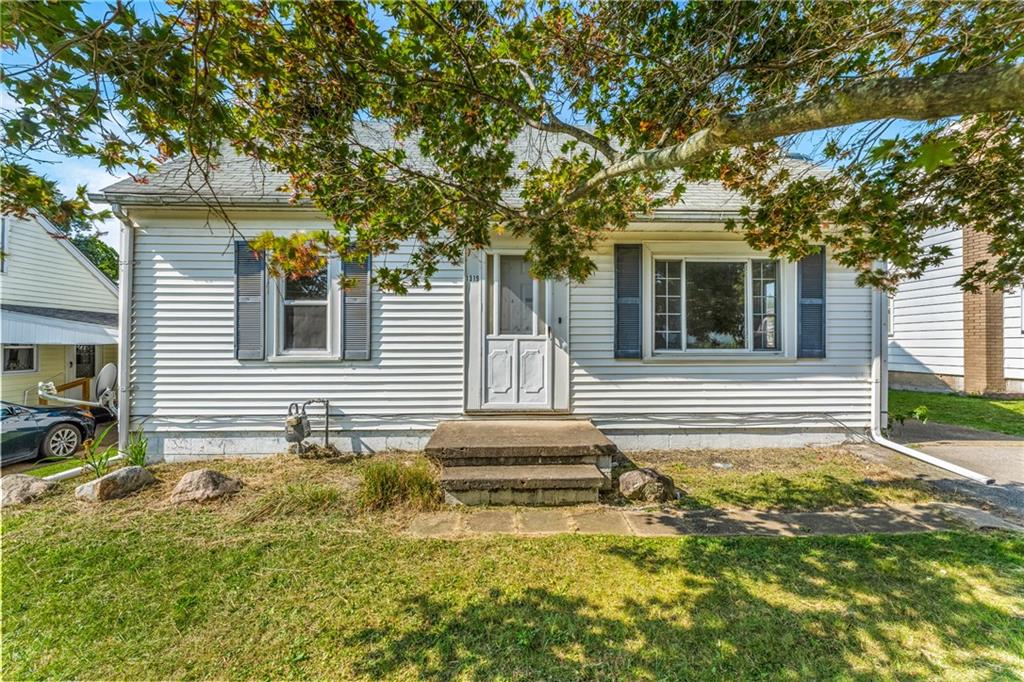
927 334
40 271
185 378
190 392
732 393
1013 339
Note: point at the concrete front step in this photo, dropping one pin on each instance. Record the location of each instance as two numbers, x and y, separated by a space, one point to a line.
479 439
546 484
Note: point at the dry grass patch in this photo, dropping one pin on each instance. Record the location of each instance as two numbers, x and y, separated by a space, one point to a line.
810 478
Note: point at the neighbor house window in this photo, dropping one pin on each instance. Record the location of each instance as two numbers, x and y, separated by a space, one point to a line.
19 358
716 305
305 305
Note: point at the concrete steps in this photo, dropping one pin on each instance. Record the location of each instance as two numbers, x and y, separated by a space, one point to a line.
523 462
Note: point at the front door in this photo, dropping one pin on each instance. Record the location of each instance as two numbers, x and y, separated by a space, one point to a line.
522 361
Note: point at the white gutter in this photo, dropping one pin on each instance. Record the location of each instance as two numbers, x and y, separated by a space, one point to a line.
124 317
880 389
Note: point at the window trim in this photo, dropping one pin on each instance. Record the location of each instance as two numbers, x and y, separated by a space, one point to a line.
276 290
720 251
35 358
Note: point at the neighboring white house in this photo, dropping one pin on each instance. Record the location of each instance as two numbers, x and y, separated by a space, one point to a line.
59 312
942 339
683 336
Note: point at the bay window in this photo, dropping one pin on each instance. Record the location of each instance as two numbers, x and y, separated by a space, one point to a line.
713 304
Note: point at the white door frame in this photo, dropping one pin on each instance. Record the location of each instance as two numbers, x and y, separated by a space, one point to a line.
555 325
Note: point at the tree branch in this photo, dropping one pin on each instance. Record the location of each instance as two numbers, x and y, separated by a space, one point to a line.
916 99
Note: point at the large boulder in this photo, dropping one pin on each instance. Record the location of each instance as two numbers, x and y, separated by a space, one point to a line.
646 485
204 484
22 489
115 484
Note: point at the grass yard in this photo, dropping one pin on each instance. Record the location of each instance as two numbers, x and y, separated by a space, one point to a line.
48 468
1002 416
804 479
291 579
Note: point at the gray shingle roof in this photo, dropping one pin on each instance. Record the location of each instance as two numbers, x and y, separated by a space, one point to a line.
86 316
241 181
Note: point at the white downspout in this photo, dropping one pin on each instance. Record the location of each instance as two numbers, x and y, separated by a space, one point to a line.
880 387
124 313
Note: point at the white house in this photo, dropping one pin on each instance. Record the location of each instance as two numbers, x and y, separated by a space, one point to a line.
59 312
684 336
943 339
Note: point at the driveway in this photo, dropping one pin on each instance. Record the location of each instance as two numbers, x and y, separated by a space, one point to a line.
994 454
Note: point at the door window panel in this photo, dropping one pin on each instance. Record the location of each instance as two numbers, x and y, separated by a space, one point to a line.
85 361
516 305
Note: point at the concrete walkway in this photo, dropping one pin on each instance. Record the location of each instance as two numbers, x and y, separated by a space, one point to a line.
612 521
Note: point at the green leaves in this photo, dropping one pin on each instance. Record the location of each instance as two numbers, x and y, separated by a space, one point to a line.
934 153
443 123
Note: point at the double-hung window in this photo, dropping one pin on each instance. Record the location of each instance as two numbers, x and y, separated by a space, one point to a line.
710 305
305 309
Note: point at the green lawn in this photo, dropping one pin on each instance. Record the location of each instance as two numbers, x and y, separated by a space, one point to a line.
1002 416
288 579
783 478
54 467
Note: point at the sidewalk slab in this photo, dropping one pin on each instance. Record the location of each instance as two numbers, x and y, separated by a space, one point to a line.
716 522
491 521
544 521
601 522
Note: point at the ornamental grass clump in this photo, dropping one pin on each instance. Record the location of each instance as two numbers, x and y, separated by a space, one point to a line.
96 458
138 445
387 484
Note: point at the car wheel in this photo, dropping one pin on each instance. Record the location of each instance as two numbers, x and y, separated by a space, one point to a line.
61 440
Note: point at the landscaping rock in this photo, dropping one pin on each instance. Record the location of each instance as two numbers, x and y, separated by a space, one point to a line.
115 484
204 484
646 485
22 489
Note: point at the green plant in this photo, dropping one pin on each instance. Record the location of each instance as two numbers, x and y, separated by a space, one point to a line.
920 413
138 444
94 456
389 484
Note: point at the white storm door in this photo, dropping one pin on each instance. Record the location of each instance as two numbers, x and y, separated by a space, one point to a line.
517 341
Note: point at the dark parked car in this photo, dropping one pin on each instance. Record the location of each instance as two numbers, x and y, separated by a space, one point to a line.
28 432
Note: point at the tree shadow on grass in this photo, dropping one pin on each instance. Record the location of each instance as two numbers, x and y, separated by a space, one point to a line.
726 608
822 491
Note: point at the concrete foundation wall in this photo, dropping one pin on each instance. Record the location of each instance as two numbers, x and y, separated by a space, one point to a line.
933 383
738 440
193 446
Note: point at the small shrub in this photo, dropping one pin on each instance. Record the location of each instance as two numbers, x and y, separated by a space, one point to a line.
138 444
388 484
920 413
96 458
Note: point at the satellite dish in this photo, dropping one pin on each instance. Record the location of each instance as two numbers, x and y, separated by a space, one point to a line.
106 380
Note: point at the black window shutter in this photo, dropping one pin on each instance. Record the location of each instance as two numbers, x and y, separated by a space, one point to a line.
355 311
811 313
250 273
628 318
